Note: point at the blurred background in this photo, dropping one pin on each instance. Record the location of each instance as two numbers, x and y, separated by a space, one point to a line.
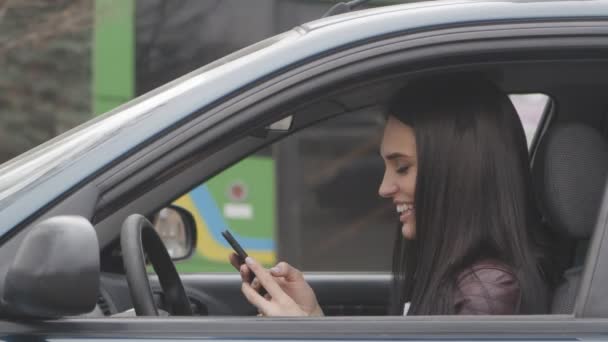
64 61
310 199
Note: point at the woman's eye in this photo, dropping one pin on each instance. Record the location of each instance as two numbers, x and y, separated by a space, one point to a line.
403 169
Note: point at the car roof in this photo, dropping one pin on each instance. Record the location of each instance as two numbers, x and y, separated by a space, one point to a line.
31 182
415 15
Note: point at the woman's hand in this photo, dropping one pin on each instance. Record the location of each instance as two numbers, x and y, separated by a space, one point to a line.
288 294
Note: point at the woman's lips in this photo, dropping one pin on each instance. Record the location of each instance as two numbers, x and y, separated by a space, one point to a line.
404 217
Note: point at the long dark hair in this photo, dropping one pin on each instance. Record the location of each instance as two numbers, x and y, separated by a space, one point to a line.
473 195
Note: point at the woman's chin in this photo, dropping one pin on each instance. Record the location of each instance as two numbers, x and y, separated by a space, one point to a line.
408 231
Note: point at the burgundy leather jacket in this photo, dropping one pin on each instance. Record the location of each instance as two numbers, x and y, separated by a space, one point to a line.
487 287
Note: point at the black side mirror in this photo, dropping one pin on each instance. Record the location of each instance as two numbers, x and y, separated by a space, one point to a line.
55 272
177 229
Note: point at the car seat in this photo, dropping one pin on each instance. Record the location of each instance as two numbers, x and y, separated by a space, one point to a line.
569 171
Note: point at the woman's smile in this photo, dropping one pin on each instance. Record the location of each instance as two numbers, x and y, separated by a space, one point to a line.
405 211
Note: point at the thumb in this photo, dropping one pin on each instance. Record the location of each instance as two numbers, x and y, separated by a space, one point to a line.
287 271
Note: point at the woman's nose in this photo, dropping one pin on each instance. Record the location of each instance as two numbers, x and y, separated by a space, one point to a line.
387 189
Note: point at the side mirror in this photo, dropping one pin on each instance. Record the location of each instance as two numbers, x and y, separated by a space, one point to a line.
55 272
177 229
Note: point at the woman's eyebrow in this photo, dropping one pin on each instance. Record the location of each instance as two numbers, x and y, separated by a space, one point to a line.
396 155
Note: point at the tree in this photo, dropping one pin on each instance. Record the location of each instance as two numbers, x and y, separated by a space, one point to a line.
45 57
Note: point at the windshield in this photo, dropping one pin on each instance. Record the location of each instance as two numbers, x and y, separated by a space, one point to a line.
50 157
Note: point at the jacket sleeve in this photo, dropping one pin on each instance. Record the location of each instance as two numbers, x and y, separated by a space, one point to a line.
487 290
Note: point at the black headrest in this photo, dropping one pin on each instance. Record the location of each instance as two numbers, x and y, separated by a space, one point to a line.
570 168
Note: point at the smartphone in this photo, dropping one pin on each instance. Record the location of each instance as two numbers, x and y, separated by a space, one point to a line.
235 245
240 252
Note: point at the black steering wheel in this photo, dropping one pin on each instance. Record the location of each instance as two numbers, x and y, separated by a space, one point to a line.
138 238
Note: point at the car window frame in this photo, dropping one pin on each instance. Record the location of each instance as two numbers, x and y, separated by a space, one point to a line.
286 190
550 326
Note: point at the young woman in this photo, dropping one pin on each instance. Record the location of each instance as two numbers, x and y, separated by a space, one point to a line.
456 168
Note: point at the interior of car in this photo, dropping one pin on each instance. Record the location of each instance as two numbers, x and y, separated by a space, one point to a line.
574 124
569 160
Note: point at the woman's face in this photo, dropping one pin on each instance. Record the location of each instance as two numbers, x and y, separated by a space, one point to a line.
398 149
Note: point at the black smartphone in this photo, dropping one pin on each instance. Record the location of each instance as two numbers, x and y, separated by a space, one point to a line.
235 245
240 252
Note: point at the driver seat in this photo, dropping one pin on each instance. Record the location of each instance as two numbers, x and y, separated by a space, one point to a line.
569 172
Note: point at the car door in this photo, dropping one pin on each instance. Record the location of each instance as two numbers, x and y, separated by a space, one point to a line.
217 135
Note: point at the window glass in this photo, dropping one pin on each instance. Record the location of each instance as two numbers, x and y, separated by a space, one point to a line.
530 108
302 200
310 199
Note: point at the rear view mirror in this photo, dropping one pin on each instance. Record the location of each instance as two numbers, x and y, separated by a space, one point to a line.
282 125
177 230
55 272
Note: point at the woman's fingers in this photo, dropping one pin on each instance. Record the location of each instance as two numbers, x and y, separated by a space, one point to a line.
245 274
275 302
284 269
267 281
256 285
255 299
235 260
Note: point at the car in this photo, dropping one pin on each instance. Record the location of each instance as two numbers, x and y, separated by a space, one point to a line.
75 212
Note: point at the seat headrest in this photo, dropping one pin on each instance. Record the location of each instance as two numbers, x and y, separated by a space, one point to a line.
569 171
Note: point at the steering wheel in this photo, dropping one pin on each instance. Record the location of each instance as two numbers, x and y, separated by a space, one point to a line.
138 238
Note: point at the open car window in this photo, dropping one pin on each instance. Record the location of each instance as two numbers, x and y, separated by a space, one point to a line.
306 196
